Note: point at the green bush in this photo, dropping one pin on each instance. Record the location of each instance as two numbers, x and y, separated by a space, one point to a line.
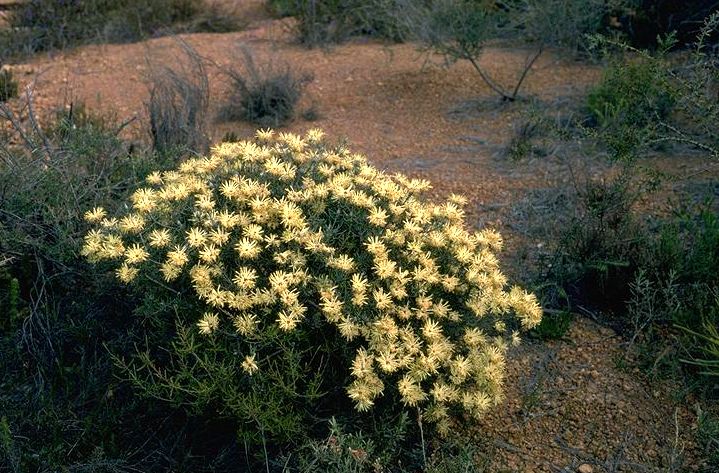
647 100
57 387
629 102
286 279
679 285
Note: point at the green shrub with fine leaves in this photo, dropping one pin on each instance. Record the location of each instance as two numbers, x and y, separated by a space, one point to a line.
286 278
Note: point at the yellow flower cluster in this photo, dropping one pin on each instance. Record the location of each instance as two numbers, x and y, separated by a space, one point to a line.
277 229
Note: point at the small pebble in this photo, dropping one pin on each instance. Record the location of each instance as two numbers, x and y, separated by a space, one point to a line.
585 468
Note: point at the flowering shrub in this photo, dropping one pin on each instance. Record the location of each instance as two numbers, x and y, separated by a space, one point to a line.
287 234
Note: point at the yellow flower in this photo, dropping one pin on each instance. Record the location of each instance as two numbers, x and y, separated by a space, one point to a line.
378 217
208 323
248 249
245 278
209 253
160 238
132 223
315 135
348 329
342 262
126 273
154 178
264 135
219 237
362 364
135 254
410 391
287 321
245 324
177 257
382 300
169 271
196 237
253 232
95 215
249 365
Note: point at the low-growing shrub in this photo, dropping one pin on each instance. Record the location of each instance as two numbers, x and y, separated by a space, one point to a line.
8 85
263 94
178 105
59 315
647 100
285 279
629 103
319 22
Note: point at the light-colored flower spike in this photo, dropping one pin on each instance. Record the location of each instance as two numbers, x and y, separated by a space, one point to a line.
274 231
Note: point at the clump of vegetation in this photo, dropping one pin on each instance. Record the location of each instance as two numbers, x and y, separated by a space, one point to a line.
265 94
645 100
58 386
178 105
629 104
42 25
649 277
565 23
8 85
284 256
323 22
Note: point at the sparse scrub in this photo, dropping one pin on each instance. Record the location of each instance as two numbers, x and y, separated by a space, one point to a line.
58 387
565 23
41 25
320 22
272 259
461 30
646 100
178 105
264 94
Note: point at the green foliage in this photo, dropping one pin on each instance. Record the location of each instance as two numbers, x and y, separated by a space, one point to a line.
340 452
63 407
679 285
264 94
646 100
600 250
8 85
41 25
554 325
708 435
629 102
458 456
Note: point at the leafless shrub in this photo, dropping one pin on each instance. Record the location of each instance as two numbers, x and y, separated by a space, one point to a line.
178 104
266 94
